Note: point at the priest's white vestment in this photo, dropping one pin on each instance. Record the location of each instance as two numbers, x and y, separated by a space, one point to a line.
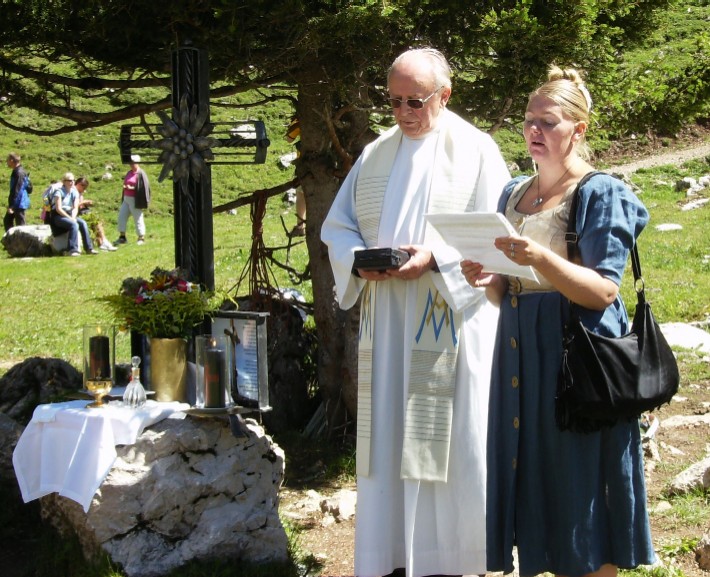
428 527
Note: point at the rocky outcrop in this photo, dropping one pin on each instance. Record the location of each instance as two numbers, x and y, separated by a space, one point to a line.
33 240
188 489
695 477
36 381
702 552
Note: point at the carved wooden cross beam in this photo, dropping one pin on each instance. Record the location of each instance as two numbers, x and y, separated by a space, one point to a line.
187 143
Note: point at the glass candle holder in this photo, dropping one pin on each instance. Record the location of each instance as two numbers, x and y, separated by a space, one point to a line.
99 359
214 368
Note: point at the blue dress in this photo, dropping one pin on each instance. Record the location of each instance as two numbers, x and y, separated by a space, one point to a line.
570 502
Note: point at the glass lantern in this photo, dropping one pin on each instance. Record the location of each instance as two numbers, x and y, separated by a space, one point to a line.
214 367
99 360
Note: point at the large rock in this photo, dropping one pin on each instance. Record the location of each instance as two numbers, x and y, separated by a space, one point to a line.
33 240
686 336
36 381
188 489
695 477
702 552
10 433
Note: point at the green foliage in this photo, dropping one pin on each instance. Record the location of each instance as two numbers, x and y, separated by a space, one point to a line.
500 51
167 305
654 571
665 82
689 509
681 547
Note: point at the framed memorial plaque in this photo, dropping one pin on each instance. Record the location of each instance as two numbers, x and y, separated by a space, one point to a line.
246 331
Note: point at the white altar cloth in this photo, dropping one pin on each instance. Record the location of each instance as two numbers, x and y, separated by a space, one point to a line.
69 449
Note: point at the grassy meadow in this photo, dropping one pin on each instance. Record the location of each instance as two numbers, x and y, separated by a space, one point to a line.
46 301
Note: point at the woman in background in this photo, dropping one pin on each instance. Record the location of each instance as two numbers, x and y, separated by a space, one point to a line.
135 198
65 217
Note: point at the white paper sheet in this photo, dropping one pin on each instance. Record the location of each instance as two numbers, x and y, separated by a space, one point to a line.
472 234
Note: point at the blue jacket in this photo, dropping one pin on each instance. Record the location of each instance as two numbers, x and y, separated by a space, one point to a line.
18 199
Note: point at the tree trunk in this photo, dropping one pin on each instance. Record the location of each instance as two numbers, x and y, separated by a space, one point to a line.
329 145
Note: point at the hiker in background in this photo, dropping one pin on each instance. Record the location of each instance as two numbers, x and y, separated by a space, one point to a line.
18 201
135 198
45 214
65 217
95 224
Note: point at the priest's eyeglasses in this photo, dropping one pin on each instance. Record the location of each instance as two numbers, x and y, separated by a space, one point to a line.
415 103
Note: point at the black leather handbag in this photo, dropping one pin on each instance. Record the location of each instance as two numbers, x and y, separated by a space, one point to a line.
606 379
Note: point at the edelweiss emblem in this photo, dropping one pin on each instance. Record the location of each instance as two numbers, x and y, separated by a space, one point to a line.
186 144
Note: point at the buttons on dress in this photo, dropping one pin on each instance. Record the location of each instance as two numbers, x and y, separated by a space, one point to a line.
514 381
516 423
514 301
513 343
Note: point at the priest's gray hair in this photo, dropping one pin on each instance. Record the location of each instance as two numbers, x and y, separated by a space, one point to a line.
439 64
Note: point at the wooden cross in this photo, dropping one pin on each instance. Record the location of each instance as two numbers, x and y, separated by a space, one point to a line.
185 145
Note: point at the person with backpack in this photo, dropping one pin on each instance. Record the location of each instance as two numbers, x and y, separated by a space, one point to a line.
47 201
65 210
18 201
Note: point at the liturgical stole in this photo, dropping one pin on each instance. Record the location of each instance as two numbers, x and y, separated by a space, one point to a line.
432 376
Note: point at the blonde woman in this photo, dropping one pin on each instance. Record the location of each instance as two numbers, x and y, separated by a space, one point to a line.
65 217
574 504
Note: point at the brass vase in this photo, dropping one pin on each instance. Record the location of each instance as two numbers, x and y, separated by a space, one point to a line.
168 369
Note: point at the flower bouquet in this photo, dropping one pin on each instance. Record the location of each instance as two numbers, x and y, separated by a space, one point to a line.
166 306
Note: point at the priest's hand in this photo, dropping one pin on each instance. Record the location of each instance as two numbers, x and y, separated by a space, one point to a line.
420 261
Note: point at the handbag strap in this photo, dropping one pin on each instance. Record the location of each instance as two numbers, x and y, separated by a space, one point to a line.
571 236
572 240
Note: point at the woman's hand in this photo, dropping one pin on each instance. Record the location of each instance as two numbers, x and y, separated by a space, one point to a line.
519 249
578 283
474 275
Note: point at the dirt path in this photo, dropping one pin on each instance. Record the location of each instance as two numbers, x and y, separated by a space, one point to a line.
671 157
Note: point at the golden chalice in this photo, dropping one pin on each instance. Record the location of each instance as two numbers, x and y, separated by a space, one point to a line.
99 388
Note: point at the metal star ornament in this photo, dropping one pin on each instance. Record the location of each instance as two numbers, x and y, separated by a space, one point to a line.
186 145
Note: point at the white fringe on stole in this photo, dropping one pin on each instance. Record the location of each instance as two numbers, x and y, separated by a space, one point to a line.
364 379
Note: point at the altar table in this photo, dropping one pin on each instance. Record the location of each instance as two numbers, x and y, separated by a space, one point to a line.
69 449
